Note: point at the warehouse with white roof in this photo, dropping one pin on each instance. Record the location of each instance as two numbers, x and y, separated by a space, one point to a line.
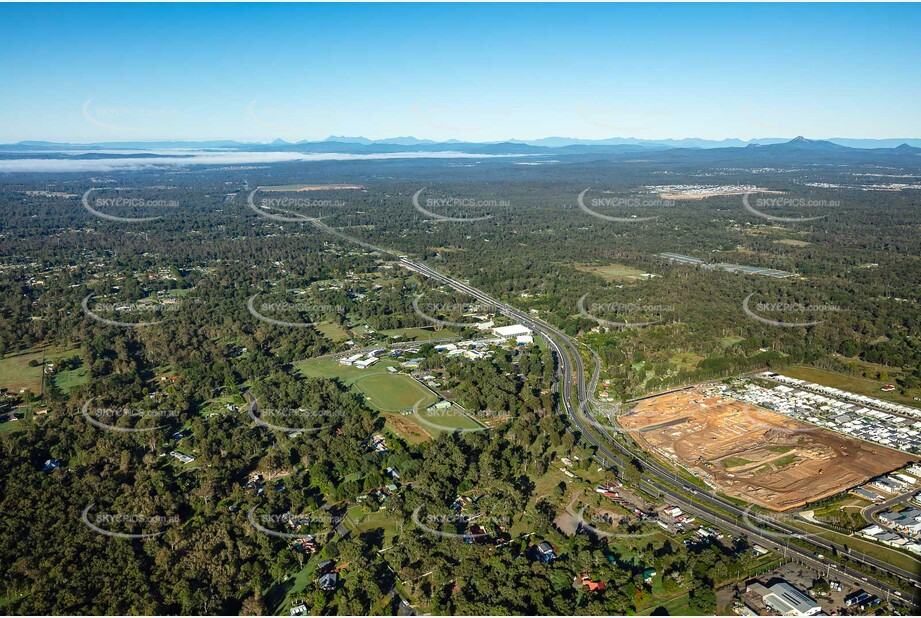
513 331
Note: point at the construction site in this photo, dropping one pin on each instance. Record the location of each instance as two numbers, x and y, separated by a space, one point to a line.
754 454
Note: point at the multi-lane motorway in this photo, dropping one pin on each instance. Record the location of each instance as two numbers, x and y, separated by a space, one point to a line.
659 480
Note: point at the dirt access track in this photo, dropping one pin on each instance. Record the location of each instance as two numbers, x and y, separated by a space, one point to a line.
755 454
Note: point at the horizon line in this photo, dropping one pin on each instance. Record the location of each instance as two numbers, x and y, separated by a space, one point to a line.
346 138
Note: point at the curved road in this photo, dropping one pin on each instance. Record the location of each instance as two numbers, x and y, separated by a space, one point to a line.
661 480
704 503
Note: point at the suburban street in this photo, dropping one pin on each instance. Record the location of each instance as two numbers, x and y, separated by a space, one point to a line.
661 480
869 512
460 308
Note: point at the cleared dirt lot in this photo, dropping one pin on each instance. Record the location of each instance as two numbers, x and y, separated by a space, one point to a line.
311 187
407 428
715 192
754 454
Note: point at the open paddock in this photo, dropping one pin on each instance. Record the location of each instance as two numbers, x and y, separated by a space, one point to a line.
394 392
755 454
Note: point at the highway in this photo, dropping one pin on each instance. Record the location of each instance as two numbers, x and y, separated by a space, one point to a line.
660 480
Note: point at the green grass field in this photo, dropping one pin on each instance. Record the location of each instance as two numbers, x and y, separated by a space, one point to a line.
361 330
17 425
386 520
16 374
332 368
844 501
686 361
855 384
394 392
735 462
843 511
780 449
66 380
219 404
678 605
448 422
333 332
385 391
72 378
786 460
725 342
282 595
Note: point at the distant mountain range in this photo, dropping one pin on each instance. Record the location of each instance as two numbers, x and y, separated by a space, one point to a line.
796 151
764 152
544 142
688 142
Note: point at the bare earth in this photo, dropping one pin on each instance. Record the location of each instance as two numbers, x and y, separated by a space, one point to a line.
407 428
299 188
755 454
714 193
330 187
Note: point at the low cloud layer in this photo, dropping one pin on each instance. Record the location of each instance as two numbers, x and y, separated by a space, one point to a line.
39 165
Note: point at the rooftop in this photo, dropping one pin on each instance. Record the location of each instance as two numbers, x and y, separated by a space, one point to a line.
789 601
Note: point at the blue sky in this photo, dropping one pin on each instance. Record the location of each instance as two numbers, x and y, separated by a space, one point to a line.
475 72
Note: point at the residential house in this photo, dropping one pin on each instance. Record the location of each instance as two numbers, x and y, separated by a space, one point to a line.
328 581
544 552
592 586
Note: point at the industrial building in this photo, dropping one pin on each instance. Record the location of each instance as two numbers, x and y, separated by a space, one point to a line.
513 331
786 600
731 268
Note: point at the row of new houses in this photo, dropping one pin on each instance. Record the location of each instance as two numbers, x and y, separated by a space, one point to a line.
894 483
891 538
859 422
907 521
880 404
900 529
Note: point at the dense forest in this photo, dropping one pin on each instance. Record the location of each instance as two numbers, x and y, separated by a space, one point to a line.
191 273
